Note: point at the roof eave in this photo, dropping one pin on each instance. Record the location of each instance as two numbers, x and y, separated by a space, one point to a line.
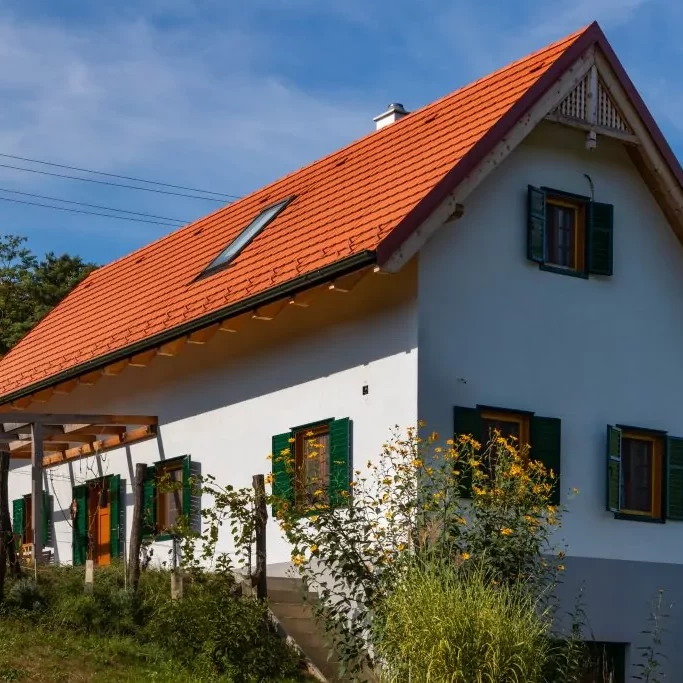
306 281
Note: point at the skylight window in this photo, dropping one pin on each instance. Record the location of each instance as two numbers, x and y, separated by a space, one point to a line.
247 235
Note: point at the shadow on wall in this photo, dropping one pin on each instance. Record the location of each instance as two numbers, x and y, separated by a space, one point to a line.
301 345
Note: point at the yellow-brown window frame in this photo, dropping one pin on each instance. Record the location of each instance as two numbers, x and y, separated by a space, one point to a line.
299 461
522 419
579 207
656 509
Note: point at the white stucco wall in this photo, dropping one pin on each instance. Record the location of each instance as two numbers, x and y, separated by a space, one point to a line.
495 330
223 401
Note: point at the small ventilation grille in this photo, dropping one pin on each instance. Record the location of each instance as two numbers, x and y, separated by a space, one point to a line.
574 105
608 114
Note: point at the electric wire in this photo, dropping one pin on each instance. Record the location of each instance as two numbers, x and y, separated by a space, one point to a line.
105 182
116 175
93 206
88 213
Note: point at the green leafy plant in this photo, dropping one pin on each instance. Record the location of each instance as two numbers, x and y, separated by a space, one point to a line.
650 667
457 502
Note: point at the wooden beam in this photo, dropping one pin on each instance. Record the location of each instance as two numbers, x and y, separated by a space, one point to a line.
204 335
102 446
142 360
66 387
305 298
43 396
84 419
37 491
626 138
91 378
346 283
173 348
116 368
270 311
234 324
92 430
21 403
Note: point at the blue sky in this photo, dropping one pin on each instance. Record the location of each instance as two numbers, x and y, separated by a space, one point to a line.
227 96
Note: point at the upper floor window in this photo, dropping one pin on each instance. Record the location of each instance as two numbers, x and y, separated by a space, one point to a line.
569 233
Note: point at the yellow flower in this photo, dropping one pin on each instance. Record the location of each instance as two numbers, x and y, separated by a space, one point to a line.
314 548
314 518
313 454
386 481
434 436
417 462
292 440
506 531
575 491
318 492
285 451
344 494
438 449
465 556
560 567
269 478
309 433
269 457
421 423
298 560
401 547
449 442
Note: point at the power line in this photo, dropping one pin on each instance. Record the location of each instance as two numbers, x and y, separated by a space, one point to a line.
122 177
93 206
104 182
89 213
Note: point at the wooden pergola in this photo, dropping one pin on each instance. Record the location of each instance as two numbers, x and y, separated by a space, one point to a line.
52 439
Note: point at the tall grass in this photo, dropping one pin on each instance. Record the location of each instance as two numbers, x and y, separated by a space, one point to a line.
447 624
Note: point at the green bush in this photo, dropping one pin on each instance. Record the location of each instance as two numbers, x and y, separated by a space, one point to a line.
26 596
221 634
448 624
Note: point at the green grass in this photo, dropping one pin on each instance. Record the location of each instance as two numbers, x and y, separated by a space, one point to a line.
36 653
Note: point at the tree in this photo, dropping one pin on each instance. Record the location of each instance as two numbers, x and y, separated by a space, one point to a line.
31 287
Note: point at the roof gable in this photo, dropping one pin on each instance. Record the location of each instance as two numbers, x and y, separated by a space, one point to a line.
350 208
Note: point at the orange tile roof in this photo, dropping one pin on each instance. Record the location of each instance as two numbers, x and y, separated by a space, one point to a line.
360 201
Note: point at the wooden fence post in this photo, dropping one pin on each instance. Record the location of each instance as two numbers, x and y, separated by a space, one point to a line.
8 549
260 520
136 529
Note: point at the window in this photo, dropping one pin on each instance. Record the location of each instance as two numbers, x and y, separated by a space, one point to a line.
569 233
22 520
606 663
168 496
636 474
247 235
543 434
312 464
565 234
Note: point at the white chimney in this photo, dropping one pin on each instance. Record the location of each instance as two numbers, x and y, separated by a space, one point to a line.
394 112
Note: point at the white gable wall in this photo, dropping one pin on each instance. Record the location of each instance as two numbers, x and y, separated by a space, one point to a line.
495 330
223 401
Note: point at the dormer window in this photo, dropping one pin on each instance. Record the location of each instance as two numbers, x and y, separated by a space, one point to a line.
246 236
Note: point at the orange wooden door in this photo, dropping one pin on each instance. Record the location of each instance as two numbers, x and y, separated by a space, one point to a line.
99 524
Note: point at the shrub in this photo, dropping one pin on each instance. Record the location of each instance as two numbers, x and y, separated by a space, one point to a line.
448 624
26 595
221 634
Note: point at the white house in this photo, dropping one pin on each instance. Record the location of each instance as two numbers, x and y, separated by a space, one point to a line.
509 254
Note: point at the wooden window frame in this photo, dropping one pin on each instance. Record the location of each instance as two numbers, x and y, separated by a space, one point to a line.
656 512
162 469
500 415
580 225
299 434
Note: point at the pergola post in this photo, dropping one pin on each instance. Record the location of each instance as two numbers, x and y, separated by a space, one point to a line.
37 491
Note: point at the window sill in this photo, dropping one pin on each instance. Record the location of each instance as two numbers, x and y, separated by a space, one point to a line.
562 271
638 518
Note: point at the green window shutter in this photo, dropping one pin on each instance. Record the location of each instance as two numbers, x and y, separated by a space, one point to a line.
19 520
340 461
115 544
283 475
600 238
187 489
149 502
546 441
535 231
80 525
674 478
46 529
613 469
467 421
